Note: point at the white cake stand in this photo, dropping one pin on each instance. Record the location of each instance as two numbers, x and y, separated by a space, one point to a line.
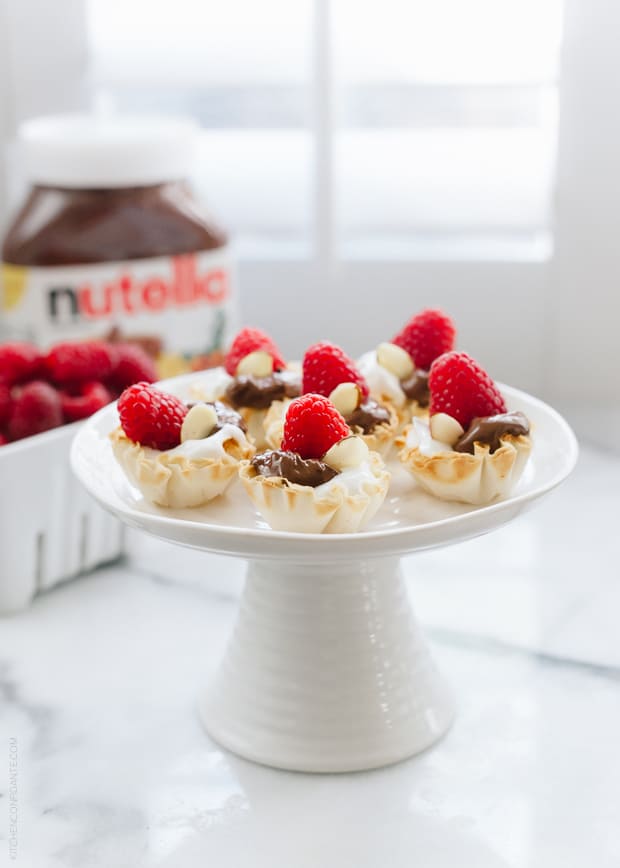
327 669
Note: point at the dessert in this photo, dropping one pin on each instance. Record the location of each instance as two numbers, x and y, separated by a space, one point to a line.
323 479
327 370
471 449
397 371
254 376
178 455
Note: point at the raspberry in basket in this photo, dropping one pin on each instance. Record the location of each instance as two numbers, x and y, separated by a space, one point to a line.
37 408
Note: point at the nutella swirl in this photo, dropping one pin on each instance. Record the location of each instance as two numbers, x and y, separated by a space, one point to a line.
260 392
225 415
292 467
415 387
367 416
490 430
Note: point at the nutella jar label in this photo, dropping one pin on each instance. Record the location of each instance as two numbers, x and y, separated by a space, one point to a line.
185 306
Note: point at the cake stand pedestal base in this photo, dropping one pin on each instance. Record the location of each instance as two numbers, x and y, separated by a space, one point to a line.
327 670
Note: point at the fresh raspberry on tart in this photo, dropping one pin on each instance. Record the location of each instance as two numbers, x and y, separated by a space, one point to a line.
312 426
151 417
248 342
426 336
325 366
462 389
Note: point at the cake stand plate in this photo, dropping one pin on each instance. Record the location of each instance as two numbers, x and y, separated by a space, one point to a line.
327 669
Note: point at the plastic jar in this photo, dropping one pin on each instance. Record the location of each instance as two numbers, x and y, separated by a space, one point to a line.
110 242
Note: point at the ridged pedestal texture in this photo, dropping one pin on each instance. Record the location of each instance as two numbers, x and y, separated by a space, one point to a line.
326 671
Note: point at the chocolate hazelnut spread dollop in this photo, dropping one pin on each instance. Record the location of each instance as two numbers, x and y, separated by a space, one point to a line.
293 468
490 430
259 392
368 415
225 416
415 387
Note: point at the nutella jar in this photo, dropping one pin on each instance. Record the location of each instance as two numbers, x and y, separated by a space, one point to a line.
111 244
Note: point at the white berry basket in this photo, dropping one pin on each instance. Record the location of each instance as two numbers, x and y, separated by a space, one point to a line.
50 528
327 669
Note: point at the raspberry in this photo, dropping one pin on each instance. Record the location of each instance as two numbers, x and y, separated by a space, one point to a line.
19 362
312 426
247 341
426 336
36 409
86 399
462 389
133 365
150 417
6 404
325 366
3 439
77 362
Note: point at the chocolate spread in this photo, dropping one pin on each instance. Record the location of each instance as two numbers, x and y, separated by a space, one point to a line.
415 387
490 430
225 415
65 226
260 392
293 468
368 415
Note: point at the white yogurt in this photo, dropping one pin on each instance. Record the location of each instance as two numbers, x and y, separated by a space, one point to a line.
353 479
207 447
381 382
420 436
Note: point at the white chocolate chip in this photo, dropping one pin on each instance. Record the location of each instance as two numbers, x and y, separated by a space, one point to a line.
346 398
445 428
396 360
200 421
256 364
349 452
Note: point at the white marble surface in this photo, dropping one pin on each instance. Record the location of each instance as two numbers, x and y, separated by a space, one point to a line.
99 682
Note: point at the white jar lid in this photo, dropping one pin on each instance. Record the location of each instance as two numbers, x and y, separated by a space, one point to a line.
88 151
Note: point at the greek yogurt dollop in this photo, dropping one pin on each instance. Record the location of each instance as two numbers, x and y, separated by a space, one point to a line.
353 479
420 435
208 447
381 382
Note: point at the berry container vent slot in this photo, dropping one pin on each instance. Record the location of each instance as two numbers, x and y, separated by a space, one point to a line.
51 530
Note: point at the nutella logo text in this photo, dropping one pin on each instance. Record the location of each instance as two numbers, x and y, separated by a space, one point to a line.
129 295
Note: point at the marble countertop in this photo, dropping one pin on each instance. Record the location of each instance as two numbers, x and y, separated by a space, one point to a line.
108 766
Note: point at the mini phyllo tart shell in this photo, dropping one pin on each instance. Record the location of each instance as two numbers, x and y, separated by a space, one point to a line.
478 479
342 505
179 477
